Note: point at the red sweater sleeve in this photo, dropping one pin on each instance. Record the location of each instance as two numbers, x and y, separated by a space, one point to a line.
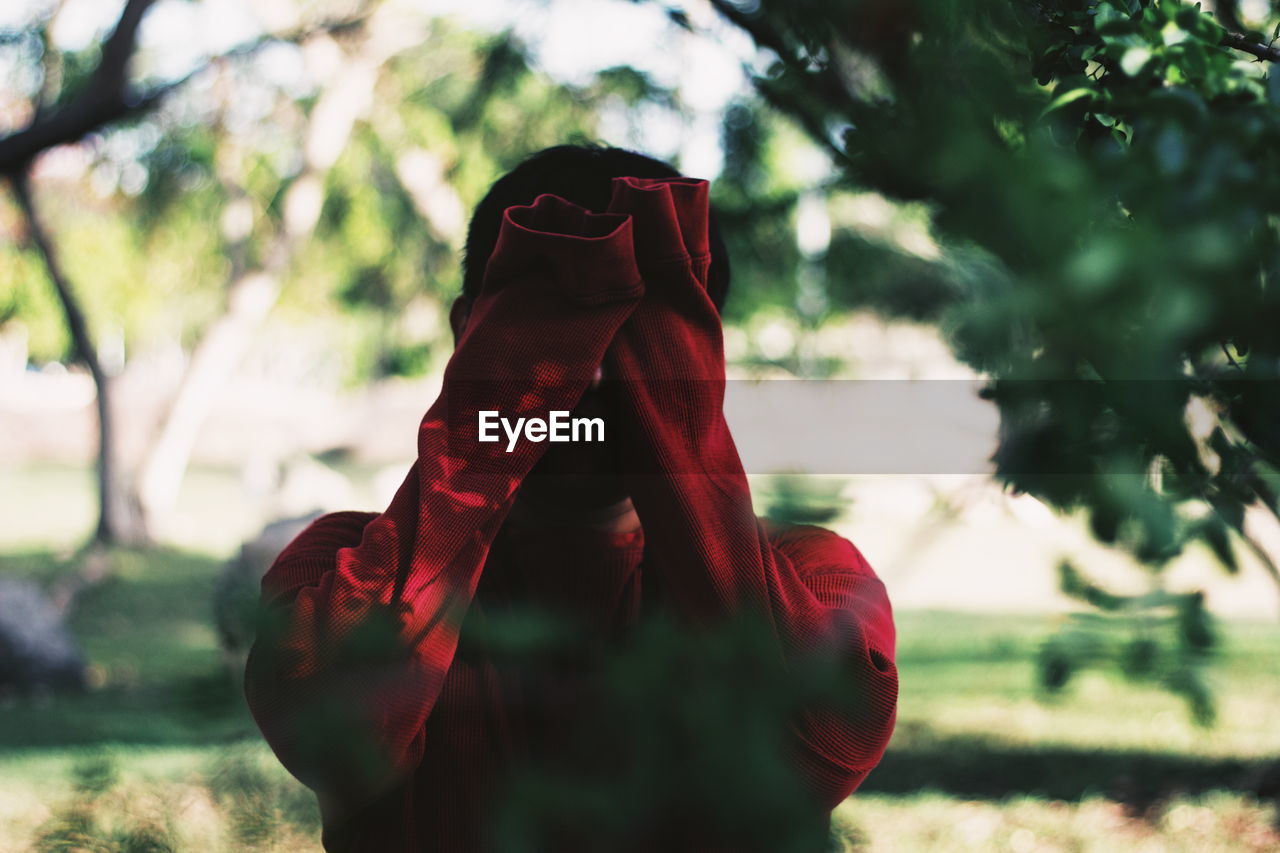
690 490
359 635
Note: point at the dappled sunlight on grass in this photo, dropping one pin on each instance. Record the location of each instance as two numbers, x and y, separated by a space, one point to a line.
224 799
939 824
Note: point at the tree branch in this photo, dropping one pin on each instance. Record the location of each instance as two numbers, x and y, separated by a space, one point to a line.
103 100
1262 51
76 324
829 85
107 98
118 48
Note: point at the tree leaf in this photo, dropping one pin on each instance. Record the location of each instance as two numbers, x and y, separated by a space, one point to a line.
1070 97
1135 59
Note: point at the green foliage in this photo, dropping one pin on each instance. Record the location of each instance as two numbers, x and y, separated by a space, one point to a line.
1158 637
794 499
31 299
1102 176
687 741
755 199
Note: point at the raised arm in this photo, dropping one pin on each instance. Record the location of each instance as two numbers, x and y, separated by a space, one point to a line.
711 554
360 635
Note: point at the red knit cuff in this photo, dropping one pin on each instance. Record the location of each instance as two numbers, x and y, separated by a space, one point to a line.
670 216
311 553
591 256
289 575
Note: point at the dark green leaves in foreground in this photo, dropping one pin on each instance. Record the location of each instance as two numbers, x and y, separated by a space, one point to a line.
685 744
1104 179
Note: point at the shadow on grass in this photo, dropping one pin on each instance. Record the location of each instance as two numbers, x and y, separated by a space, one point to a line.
981 768
193 711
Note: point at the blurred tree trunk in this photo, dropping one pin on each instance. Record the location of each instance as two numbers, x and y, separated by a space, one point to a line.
118 521
101 101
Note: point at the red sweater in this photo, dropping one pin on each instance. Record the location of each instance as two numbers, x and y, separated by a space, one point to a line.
358 680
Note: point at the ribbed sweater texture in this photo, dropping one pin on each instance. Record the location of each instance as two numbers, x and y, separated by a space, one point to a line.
363 678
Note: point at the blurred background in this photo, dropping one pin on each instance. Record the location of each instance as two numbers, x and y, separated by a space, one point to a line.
231 236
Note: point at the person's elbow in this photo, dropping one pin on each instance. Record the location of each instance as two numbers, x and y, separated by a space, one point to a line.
839 742
321 727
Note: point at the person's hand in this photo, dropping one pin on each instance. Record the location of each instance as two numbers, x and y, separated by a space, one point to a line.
669 219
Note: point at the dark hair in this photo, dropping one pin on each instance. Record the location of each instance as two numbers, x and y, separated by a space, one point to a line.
582 174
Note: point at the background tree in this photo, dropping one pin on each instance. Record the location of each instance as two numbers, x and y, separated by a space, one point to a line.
340 187
72 98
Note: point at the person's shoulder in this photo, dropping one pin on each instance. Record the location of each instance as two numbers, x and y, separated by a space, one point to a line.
814 549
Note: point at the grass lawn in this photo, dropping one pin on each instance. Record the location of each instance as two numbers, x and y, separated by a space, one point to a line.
161 751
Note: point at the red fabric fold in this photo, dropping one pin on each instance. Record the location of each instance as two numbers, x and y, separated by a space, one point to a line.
590 254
